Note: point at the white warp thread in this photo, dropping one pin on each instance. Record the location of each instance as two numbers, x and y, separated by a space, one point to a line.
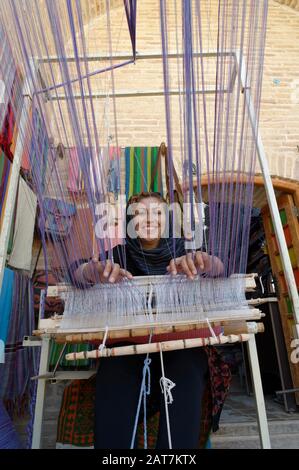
131 303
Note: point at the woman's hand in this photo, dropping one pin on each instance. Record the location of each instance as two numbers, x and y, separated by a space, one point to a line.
193 263
96 271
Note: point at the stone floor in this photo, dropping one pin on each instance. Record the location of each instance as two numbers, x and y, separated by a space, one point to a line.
238 424
239 407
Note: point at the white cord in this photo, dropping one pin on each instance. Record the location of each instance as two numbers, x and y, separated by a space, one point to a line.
211 329
103 344
262 285
166 385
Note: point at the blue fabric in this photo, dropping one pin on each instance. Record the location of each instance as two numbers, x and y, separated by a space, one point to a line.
6 303
113 178
8 436
208 444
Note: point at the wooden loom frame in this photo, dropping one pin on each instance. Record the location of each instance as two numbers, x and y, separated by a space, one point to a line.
232 327
252 352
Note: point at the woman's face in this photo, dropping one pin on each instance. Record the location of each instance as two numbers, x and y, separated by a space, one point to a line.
149 218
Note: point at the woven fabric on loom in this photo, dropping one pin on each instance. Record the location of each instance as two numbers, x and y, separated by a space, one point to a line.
140 164
76 417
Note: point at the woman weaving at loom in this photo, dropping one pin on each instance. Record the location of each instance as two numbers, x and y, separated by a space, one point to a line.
149 252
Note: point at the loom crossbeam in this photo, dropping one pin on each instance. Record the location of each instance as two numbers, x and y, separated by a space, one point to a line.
157 347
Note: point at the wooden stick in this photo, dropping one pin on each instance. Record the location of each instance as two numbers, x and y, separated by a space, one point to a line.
155 347
54 291
52 326
229 328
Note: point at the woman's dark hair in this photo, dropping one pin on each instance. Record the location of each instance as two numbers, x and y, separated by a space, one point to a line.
137 198
143 195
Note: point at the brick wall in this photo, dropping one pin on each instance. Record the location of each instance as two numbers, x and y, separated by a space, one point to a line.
141 120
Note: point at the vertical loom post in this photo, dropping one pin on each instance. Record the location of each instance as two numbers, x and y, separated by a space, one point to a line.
258 393
282 244
40 396
14 180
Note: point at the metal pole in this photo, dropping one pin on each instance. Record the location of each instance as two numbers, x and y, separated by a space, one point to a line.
283 249
258 393
134 93
40 396
143 56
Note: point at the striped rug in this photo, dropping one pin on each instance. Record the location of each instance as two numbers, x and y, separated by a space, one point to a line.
140 163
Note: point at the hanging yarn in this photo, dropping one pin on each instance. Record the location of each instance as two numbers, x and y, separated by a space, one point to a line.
216 139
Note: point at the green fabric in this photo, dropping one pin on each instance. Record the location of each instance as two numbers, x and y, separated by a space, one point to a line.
140 164
56 350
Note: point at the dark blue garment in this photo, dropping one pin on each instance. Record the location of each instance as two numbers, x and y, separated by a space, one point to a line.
141 262
119 378
138 261
8 436
117 392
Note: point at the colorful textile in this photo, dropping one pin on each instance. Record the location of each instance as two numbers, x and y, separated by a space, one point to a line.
76 429
6 303
76 176
8 436
9 130
76 417
19 366
140 164
25 162
6 135
220 379
84 164
114 185
21 253
5 172
56 349
7 74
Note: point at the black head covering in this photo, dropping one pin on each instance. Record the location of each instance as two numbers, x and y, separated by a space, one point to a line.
153 261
